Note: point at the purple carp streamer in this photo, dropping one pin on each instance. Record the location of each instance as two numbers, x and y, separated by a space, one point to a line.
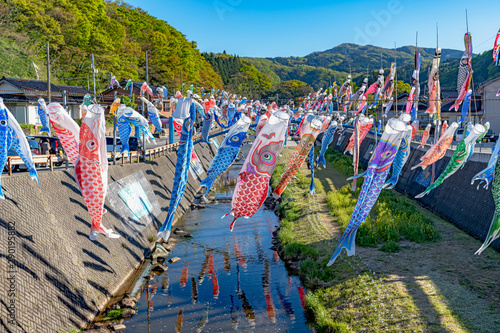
375 176
494 231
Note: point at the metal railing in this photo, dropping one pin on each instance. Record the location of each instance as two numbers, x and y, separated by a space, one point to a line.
126 158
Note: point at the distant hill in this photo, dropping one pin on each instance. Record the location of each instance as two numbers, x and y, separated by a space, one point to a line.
482 65
356 58
319 68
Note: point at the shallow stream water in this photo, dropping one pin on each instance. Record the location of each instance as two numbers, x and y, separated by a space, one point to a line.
225 281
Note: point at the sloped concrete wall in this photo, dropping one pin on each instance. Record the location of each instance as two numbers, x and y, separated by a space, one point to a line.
456 200
52 277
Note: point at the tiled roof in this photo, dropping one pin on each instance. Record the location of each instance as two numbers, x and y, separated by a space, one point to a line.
28 90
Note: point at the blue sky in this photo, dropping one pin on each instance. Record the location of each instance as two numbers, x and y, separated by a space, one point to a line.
266 28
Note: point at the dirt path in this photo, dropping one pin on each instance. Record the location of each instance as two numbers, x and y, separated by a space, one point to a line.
454 290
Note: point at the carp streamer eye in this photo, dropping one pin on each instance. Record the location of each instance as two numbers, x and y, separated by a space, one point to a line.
235 139
267 158
207 116
385 154
3 123
91 145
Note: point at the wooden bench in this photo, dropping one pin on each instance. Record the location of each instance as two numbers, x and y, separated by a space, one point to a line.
38 159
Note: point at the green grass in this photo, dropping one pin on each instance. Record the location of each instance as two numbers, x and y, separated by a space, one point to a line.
113 314
392 218
344 297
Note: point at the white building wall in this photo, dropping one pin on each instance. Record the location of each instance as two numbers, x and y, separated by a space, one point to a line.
491 105
33 115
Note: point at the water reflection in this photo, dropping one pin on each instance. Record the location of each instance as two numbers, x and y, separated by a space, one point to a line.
204 267
237 283
246 308
227 262
224 185
203 320
194 290
285 304
184 275
179 322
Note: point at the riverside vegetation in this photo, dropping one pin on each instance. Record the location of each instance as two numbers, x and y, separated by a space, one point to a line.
403 277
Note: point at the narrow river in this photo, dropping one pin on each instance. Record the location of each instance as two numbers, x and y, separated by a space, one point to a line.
225 281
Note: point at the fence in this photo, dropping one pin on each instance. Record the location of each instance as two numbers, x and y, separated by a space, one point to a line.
130 157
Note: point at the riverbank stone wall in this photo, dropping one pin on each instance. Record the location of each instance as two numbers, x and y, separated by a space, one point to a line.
455 200
53 277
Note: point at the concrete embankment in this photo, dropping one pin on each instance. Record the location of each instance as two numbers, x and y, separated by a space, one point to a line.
52 276
456 200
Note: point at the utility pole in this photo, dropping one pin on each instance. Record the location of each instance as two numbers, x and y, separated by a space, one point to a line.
48 75
114 134
147 73
93 74
143 113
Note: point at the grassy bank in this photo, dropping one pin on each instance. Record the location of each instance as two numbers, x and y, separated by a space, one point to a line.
405 276
392 218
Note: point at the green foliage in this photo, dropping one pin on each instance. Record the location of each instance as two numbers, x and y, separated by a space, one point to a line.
293 89
109 120
239 75
128 101
390 247
113 314
391 218
318 69
402 86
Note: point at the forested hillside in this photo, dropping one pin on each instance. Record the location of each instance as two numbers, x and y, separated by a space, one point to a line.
244 78
117 34
318 69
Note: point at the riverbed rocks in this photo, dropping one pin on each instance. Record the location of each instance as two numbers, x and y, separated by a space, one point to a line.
128 313
159 268
128 302
271 203
182 233
158 253
116 306
97 328
197 206
174 260
178 231
117 327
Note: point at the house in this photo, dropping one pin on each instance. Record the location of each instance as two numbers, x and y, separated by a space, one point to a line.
491 103
108 96
448 98
20 96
